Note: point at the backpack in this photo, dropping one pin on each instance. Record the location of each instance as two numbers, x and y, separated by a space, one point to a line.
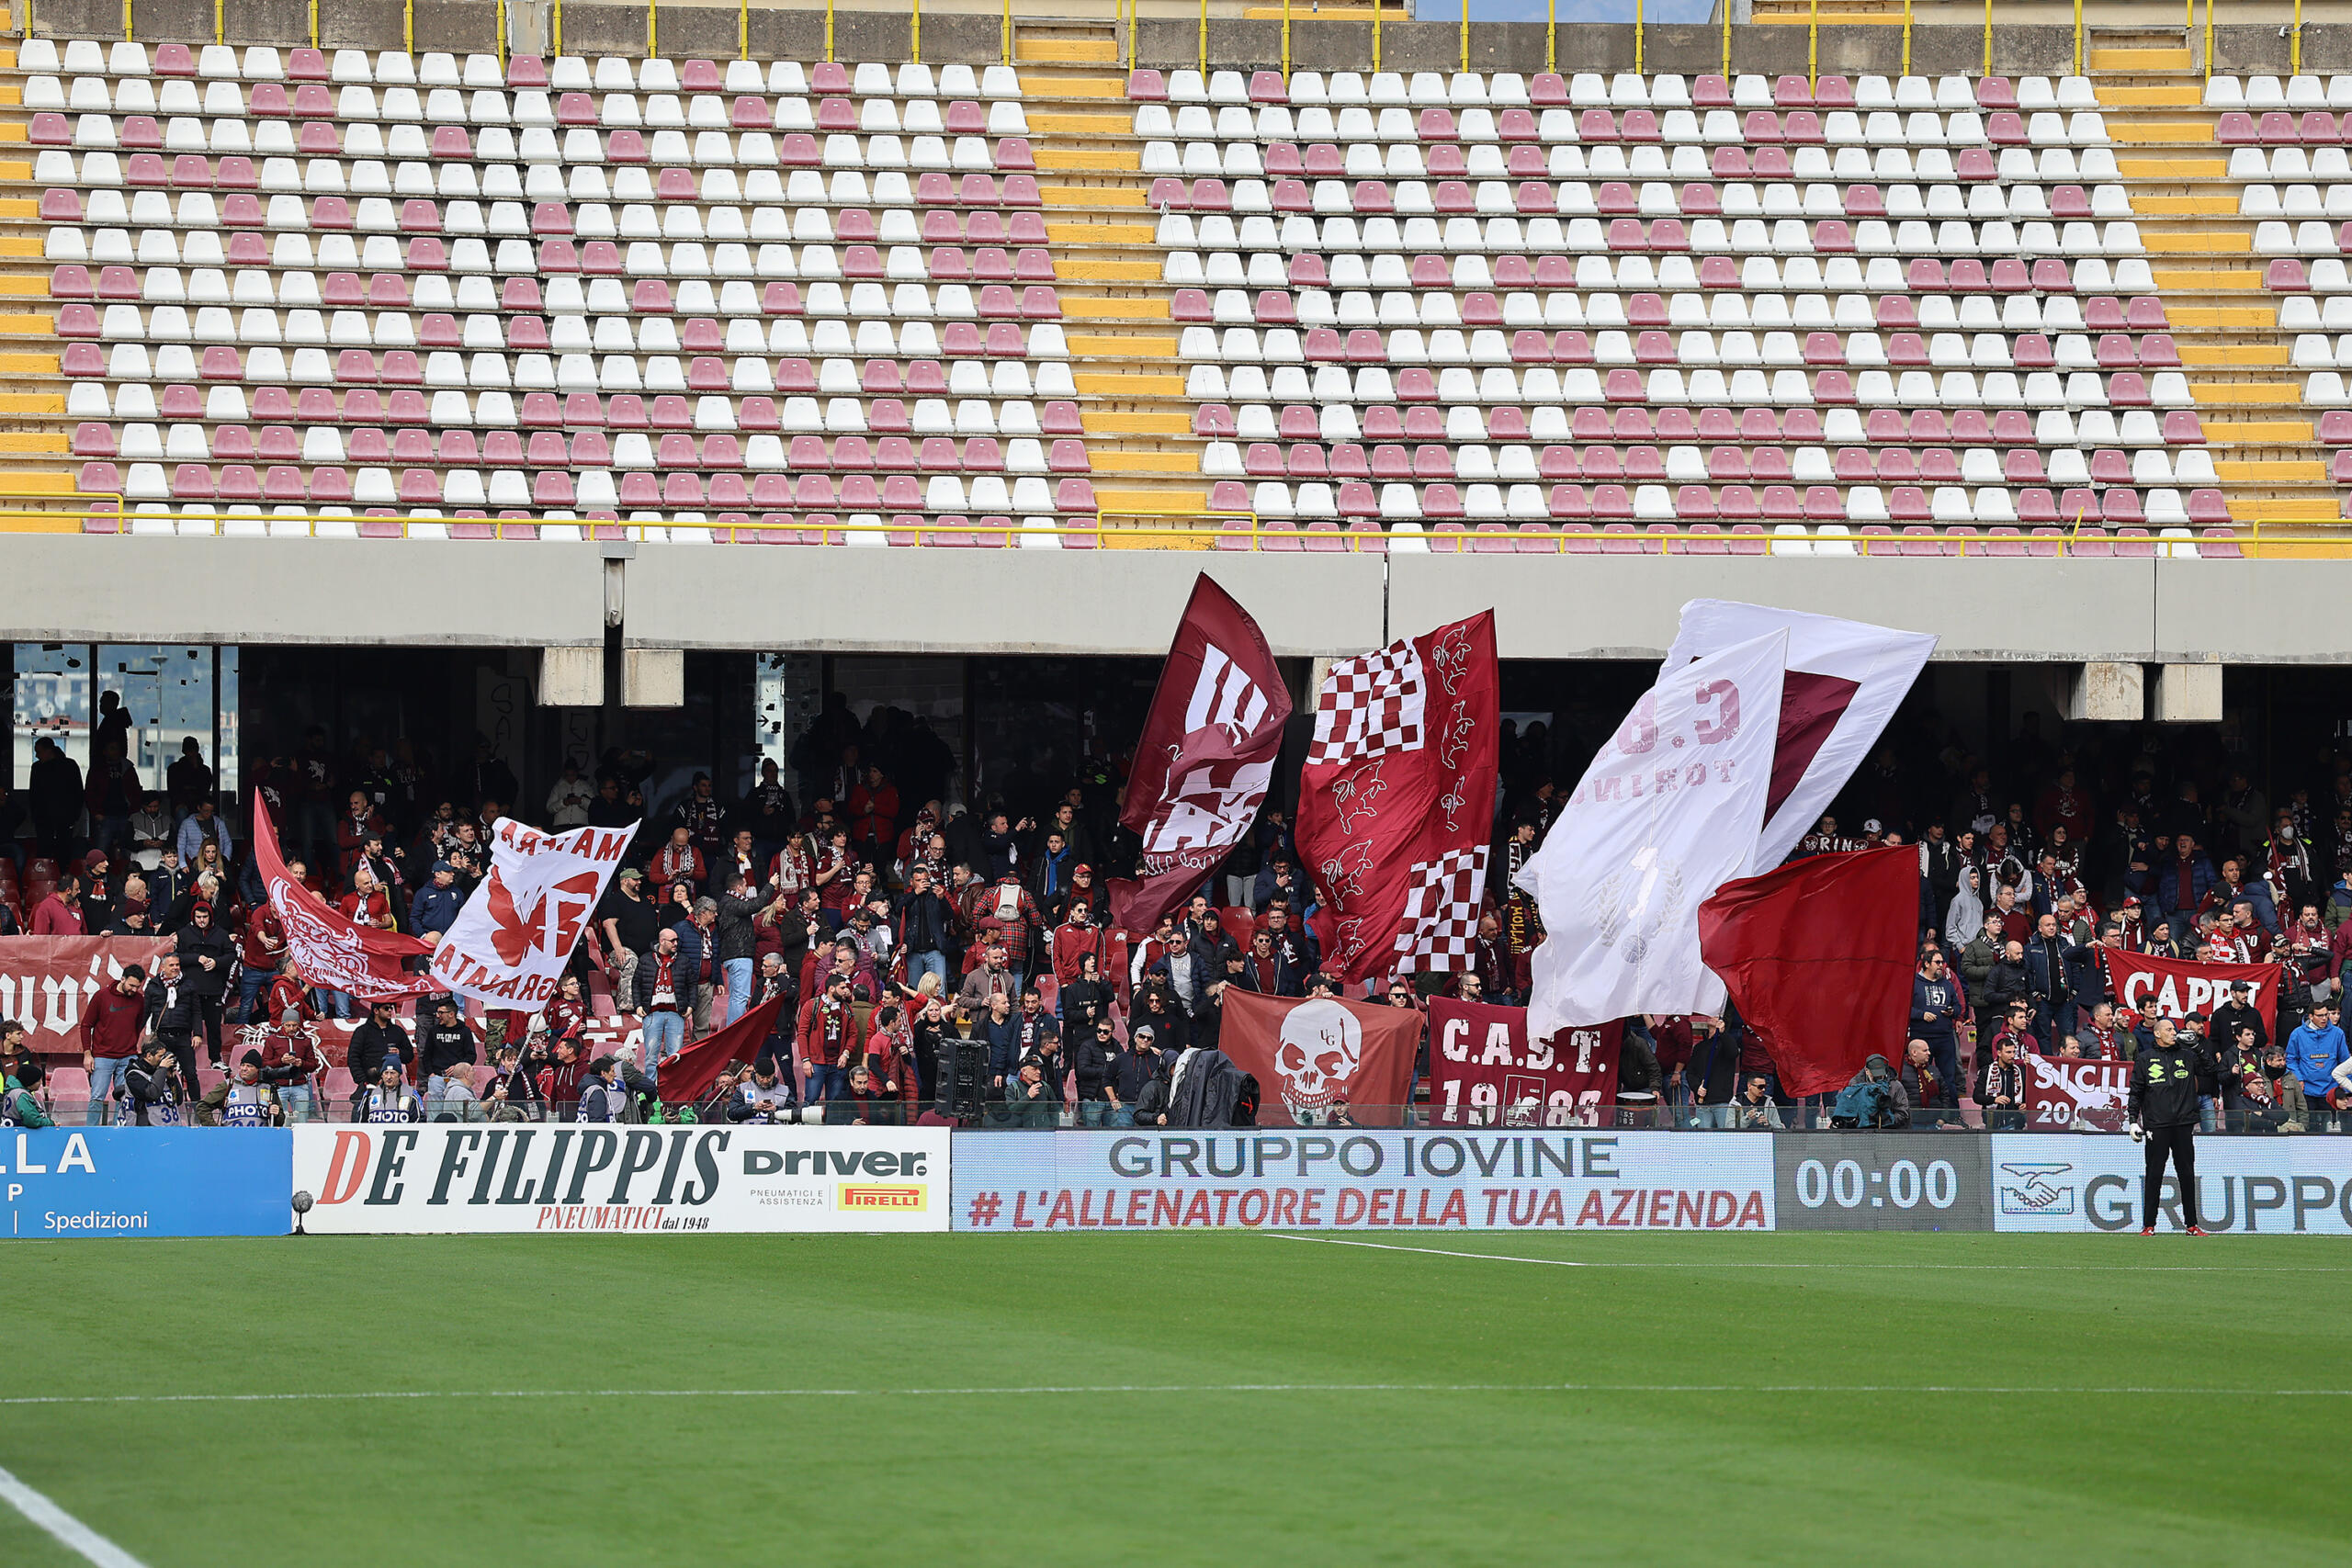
1861 1104
12 1113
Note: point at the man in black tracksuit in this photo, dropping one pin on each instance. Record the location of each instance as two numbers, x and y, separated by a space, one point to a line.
2163 1106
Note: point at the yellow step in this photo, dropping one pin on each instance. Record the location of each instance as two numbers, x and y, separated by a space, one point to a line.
34 443
2209 280
28 326
1107 424
1051 87
1118 462
2306 510
2175 206
2227 393
1127 345
11 170
31 402
2182 97
2259 431
1150 502
2207 243
26 246
1067 50
59 523
1062 123
1076 161
1093 383
1110 271
2277 471
2138 60
28 365
29 206
12 93
2239 316
1092 196
14 132
1839 19
39 483
24 284
2180 168
2158 133
2240 355
1099 233
1127 309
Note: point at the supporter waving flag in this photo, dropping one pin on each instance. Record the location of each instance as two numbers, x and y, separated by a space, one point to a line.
330 948
1397 801
1206 758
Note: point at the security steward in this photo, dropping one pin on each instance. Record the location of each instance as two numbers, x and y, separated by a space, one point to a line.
2163 1112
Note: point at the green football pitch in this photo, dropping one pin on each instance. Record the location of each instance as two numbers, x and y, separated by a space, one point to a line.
1226 1398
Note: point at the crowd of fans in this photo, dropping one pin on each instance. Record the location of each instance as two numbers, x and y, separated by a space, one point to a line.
940 958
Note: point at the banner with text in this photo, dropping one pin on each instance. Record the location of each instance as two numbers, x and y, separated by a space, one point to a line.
45 981
2174 987
2271 1186
91 1181
511 942
621 1178
1485 1073
2062 1095
1338 1180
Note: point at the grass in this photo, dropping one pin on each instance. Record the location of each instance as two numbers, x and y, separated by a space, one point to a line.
1800 1427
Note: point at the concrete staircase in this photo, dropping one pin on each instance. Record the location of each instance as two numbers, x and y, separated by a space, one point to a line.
35 468
2263 440
1138 422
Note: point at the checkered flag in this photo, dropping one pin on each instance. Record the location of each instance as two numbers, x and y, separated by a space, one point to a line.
1440 929
1369 704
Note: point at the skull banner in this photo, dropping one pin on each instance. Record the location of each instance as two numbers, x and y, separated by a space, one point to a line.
1320 1062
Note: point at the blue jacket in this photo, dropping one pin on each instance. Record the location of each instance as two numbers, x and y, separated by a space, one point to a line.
2171 898
2312 1056
434 909
694 955
1945 997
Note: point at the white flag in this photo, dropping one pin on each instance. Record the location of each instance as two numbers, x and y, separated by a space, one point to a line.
1667 813
1845 680
510 943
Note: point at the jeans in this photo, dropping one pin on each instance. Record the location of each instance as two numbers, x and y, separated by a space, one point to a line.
250 985
106 1075
296 1098
738 972
824 1083
1945 1053
1097 1113
1718 1117
665 1036
336 1004
2209 1112
931 963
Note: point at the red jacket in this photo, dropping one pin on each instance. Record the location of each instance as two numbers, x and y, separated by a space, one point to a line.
670 863
888 1059
263 939
822 1039
54 917
111 1023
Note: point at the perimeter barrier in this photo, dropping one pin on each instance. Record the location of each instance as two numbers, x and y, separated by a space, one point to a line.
685 1179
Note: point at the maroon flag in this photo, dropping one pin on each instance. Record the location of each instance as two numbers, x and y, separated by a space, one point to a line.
1321 1062
696 1068
330 949
1206 758
1818 957
1397 801
2175 987
1485 1072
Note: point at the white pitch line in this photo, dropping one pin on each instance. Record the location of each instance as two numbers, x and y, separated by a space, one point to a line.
1433 1251
69 1531
1702 1263
1068 1388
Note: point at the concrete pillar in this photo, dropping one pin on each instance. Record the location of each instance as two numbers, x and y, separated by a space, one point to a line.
572 677
653 677
2188 693
2101 691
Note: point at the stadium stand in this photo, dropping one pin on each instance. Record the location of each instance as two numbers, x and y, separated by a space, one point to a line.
324 291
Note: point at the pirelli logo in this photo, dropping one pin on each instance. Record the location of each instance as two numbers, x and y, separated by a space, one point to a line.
903 1199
